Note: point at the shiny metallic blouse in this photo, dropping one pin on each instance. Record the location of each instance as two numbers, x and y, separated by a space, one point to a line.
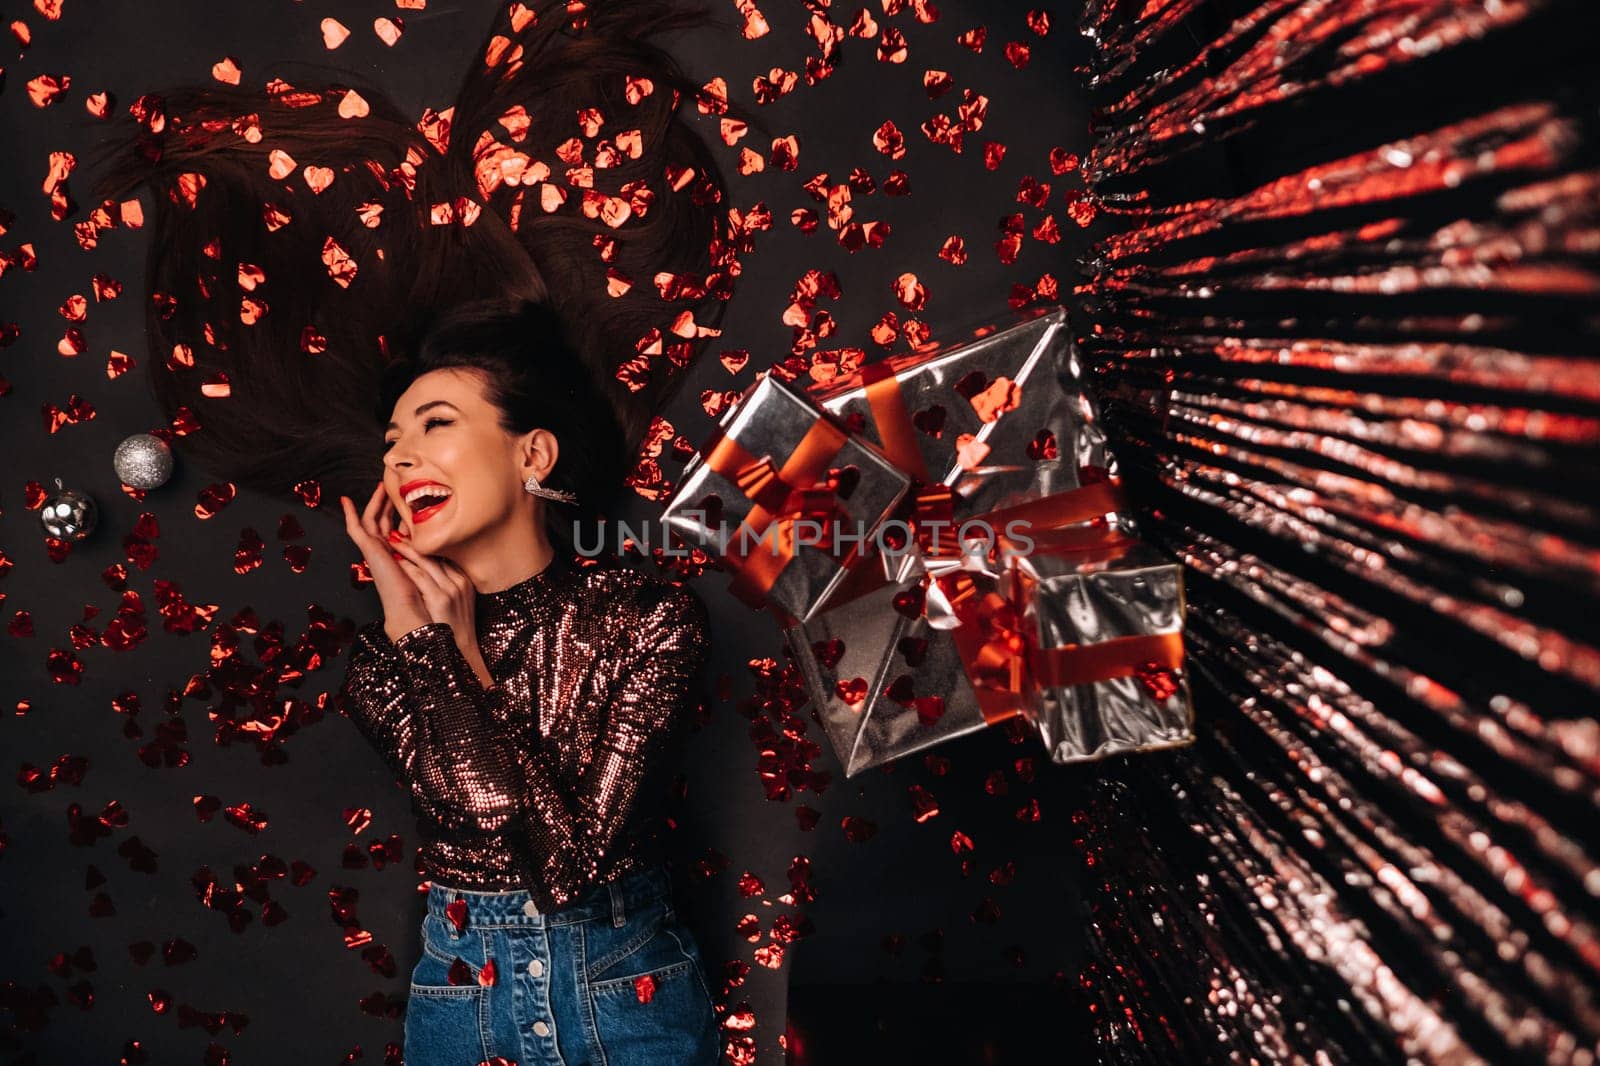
553 778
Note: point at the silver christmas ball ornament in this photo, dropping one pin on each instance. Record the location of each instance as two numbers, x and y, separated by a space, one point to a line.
143 461
68 514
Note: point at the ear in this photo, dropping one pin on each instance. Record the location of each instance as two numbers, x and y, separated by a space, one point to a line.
537 452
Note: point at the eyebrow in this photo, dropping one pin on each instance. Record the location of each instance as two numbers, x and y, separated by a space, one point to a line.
419 410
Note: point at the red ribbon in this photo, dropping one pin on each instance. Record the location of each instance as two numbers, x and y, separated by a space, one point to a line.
781 497
887 402
991 644
1084 664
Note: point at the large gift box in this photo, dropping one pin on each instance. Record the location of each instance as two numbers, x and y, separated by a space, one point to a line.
994 416
787 497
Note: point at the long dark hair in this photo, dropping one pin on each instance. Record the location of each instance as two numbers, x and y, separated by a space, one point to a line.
533 375
277 296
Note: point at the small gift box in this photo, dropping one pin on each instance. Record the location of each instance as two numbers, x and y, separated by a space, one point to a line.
786 497
995 416
910 664
1104 625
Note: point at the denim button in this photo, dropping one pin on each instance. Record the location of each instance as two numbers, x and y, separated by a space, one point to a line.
530 908
536 968
541 1028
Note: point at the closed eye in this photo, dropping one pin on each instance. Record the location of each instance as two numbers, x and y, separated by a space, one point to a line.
426 425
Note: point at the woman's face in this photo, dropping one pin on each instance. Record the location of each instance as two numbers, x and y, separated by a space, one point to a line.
450 469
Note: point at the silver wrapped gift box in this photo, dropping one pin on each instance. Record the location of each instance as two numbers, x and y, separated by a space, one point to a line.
767 492
891 671
1105 650
998 415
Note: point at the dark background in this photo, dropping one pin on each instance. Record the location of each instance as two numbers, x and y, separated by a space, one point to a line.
908 943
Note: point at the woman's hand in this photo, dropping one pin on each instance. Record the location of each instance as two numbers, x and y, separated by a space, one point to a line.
449 596
404 607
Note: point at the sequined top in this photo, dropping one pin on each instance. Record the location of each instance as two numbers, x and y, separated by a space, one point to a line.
552 779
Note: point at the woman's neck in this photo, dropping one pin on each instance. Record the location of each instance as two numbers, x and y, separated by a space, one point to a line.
514 552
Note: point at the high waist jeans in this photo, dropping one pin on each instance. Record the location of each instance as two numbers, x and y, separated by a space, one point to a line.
613 980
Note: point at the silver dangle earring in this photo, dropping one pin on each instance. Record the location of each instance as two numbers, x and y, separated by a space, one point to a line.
532 485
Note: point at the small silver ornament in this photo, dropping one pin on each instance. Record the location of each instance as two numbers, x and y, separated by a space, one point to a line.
68 514
143 461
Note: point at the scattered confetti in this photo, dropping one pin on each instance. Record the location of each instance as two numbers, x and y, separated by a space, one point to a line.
334 33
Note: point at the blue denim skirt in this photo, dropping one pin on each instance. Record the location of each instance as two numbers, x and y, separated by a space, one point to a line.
612 980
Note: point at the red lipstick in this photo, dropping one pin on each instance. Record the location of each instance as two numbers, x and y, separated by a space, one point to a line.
427 512
418 517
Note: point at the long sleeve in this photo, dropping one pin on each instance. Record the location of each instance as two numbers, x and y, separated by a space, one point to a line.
418 702
575 827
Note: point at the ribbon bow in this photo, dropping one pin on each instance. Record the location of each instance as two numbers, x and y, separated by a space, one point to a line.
761 482
961 596
781 496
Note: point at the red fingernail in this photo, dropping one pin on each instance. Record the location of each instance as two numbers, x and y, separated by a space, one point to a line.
394 535
396 555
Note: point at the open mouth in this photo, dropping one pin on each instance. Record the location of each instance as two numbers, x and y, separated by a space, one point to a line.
426 502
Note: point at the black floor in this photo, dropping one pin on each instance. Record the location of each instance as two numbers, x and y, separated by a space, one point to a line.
993 1024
